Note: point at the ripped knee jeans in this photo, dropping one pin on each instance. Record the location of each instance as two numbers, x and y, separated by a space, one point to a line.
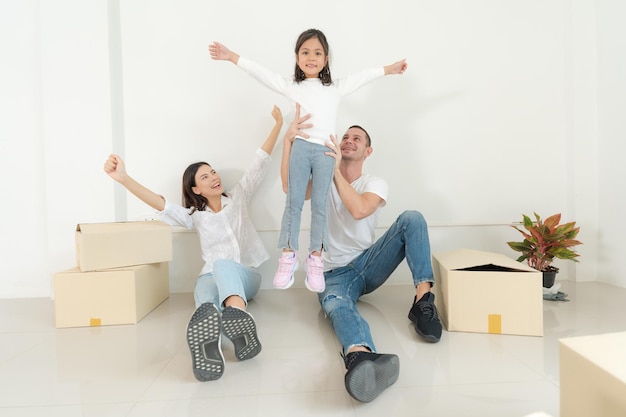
343 289
407 238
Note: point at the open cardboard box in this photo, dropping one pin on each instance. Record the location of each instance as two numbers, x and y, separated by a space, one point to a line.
121 244
108 297
486 292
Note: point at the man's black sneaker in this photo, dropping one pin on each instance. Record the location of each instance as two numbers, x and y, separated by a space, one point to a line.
240 328
369 374
424 316
204 334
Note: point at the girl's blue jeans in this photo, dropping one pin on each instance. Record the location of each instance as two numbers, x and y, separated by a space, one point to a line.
406 238
308 161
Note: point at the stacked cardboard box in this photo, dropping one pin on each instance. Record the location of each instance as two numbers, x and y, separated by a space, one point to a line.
122 274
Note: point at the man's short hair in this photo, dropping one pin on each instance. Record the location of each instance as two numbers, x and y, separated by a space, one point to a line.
368 140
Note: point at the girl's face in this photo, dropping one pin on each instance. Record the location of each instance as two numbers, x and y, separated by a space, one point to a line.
208 182
311 58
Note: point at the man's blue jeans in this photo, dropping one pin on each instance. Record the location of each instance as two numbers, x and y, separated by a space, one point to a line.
406 238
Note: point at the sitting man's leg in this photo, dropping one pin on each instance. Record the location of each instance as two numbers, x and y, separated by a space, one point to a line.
406 238
423 312
368 373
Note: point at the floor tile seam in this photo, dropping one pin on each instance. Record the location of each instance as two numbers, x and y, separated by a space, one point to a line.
58 404
502 381
155 378
221 394
28 350
474 384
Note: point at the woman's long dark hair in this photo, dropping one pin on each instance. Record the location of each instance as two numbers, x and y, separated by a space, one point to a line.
192 200
325 72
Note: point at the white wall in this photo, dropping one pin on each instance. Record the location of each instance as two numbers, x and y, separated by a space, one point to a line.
23 226
490 86
611 61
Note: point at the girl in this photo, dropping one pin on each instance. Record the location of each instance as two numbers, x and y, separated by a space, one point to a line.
231 250
314 89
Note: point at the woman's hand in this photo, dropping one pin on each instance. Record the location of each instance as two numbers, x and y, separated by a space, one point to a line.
277 115
115 168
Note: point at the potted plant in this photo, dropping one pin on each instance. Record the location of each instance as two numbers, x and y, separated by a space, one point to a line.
545 240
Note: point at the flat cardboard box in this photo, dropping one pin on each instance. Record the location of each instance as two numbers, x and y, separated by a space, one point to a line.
121 244
108 297
593 375
487 292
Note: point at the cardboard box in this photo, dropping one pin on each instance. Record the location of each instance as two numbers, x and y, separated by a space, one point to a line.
121 244
593 375
486 292
107 297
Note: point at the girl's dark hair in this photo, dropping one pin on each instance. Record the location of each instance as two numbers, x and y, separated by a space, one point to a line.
192 200
368 140
325 72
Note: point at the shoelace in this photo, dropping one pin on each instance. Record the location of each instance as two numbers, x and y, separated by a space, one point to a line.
315 267
349 358
428 310
345 360
285 264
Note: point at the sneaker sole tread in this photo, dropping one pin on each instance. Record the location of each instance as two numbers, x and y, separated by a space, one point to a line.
369 379
204 341
239 327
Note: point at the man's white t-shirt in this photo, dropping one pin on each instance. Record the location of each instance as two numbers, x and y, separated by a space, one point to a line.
348 237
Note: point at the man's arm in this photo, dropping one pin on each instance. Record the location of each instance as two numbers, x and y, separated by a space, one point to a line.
359 205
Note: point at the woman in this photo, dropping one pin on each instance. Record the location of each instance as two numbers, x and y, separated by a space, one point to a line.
231 250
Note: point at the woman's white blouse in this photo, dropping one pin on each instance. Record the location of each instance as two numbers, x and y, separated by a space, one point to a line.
230 233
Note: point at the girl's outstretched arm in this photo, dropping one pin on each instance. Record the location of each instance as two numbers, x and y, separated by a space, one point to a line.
116 169
396 68
222 53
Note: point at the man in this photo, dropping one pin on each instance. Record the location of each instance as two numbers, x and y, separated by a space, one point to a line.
356 264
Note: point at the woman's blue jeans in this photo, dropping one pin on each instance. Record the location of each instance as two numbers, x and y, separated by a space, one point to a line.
308 161
406 238
228 278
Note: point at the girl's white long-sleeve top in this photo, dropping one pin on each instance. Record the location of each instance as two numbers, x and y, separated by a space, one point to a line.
228 234
318 100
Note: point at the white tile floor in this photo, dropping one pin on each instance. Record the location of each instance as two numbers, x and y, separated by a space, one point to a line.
144 369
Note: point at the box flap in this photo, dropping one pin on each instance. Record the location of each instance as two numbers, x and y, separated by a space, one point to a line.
119 226
490 268
475 260
112 245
